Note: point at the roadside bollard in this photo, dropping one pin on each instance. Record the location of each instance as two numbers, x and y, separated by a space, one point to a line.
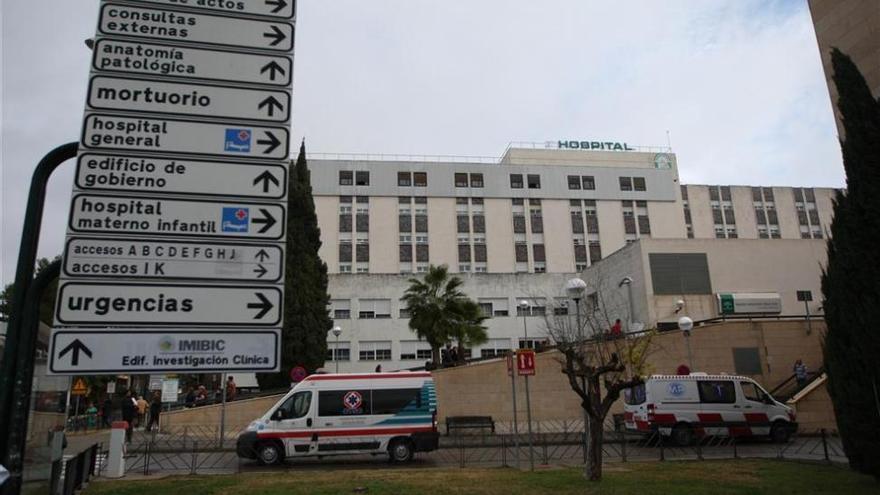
116 456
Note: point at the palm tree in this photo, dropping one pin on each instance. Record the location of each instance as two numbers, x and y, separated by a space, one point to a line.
440 311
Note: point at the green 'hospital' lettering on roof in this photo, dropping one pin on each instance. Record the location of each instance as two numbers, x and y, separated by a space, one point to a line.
593 145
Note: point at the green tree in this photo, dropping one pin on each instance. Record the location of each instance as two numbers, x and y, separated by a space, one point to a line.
47 305
440 311
306 318
467 327
850 279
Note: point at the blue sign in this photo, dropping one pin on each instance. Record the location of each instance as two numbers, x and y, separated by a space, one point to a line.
235 219
238 140
675 389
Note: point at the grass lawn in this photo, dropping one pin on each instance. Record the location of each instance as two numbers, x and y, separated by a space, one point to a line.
715 477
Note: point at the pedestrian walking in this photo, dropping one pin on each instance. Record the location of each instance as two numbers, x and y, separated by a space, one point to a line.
141 411
92 415
107 412
155 410
231 389
800 373
129 408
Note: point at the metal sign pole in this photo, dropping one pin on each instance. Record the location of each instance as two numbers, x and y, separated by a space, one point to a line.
510 370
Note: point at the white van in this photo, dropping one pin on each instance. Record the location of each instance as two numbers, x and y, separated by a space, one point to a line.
686 407
372 413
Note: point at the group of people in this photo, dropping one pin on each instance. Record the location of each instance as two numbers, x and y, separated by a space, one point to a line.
198 396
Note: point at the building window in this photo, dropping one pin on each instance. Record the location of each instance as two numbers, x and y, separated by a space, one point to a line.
537 222
405 253
463 223
476 180
629 223
626 184
362 250
534 181
422 252
404 179
374 308
461 180
404 223
522 252
362 222
729 217
684 192
588 182
464 253
495 348
536 307
539 252
420 200
644 225
345 252
362 178
414 350
574 182
480 253
516 201
638 183
345 268
595 251
519 224
516 181
374 351
479 224
345 177
580 253
713 193
338 351
420 179
341 309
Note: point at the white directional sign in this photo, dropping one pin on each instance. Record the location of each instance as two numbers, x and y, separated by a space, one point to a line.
121 172
173 260
184 136
173 217
272 8
121 304
95 352
188 99
192 63
180 188
171 25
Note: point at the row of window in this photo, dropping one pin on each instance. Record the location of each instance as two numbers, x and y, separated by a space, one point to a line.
475 180
369 309
416 350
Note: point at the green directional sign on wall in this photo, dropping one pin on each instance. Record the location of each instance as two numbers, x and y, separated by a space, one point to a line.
727 305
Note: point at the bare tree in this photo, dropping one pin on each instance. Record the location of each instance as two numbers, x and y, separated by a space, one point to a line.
598 363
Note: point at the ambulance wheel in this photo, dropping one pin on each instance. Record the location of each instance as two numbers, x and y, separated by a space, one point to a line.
269 453
400 451
683 435
780 432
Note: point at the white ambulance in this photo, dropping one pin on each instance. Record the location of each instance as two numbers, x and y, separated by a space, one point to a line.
686 407
371 413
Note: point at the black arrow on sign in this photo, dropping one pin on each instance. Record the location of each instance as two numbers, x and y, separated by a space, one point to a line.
273 142
268 220
271 103
262 255
266 178
75 348
272 67
279 4
277 35
261 270
264 305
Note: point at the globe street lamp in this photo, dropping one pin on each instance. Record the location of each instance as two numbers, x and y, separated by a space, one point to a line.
337 331
575 289
686 325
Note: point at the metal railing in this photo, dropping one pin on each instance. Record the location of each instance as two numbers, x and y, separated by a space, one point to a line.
72 473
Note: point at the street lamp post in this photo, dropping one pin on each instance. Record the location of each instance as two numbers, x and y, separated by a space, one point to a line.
575 288
337 331
686 325
524 305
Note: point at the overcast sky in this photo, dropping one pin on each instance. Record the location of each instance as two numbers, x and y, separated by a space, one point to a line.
737 83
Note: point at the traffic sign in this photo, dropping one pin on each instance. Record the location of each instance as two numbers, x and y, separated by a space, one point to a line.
172 260
185 27
121 172
175 217
132 304
272 8
525 362
155 351
188 99
192 137
79 387
298 374
111 55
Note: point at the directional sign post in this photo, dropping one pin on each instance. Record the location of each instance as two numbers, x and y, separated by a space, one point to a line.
174 259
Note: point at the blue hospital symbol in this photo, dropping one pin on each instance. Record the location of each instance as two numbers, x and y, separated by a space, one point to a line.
238 140
352 400
235 219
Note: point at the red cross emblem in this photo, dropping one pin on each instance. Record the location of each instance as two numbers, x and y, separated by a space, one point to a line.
243 135
241 214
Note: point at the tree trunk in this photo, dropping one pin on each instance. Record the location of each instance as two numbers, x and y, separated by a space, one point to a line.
435 356
594 454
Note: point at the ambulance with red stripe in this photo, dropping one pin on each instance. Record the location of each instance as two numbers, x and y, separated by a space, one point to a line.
688 407
340 414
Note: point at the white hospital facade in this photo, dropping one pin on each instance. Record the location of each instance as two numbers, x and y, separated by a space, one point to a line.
520 226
